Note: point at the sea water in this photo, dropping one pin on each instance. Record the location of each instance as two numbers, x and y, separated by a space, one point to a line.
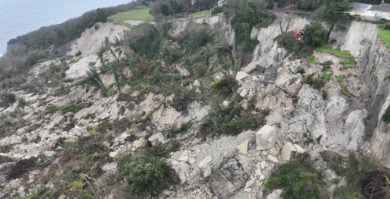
18 17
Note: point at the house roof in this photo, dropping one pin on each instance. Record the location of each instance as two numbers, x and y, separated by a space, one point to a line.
384 7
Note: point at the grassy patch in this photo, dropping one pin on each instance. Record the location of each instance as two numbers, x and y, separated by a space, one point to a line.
384 35
325 76
311 59
340 78
347 67
138 14
344 90
202 13
73 108
298 179
349 61
334 51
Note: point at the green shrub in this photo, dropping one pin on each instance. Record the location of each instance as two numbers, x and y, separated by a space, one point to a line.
225 86
171 54
346 193
315 35
316 81
216 10
72 107
145 174
33 196
289 42
298 179
386 116
183 98
182 129
7 99
196 36
104 126
230 120
244 20
145 40
164 150
354 168
51 108
95 80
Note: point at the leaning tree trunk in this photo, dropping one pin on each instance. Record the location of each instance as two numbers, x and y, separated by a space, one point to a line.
330 31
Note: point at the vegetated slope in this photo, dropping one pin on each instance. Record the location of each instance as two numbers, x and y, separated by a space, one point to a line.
179 109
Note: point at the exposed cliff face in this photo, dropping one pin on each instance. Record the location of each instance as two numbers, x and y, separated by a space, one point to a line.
376 91
374 65
268 53
300 119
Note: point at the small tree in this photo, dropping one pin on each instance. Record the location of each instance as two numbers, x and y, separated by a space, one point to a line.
145 40
145 174
335 14
314 34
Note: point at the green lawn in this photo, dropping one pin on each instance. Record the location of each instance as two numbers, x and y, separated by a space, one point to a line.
336 52
385 36
202 13
138 14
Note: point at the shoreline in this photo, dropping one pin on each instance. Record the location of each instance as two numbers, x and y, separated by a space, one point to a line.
47 17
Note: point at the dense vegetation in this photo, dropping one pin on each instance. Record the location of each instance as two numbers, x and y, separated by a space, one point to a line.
29 49
298 179
145 173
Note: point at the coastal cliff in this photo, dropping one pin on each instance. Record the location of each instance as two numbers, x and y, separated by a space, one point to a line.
223 131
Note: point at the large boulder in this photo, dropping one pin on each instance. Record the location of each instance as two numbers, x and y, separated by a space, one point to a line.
266 137
229 179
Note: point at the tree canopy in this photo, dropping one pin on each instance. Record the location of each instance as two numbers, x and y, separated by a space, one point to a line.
335 14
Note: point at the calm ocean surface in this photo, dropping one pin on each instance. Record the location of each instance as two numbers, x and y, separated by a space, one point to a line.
18 17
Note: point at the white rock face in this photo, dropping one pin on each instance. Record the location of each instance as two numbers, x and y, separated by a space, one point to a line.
287 150
266 137
268 53
81 67
92 39
205 162
275 194
335 108
243 147
157 139
273 159
354 128
357 44
241 75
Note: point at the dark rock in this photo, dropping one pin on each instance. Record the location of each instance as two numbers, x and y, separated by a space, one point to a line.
20 168
270 74
229 179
